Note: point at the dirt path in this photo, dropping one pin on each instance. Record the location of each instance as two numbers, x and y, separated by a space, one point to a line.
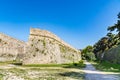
93 74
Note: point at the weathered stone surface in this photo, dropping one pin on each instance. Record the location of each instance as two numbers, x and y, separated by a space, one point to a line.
45 47
113 55
10 48
42 47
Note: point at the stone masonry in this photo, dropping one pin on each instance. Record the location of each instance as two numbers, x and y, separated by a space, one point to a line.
43 47
11 48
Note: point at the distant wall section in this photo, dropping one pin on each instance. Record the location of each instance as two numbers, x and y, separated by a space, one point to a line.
10 48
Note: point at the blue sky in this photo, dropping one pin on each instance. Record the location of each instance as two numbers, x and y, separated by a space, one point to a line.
77 22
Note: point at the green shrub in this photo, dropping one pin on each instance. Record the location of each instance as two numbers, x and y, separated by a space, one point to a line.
107 66
81 62
62 49
90 56
75 64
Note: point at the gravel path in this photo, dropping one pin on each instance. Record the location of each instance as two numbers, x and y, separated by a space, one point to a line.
93 74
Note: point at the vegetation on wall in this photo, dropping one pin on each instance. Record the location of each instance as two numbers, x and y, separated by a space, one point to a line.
0 40
44 43
31 44
36 49
63 49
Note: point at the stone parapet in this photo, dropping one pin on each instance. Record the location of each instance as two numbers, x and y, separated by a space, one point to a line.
10 39
45 33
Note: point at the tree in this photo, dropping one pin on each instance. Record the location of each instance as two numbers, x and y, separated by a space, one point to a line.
109 41
112 40
116 26
87 53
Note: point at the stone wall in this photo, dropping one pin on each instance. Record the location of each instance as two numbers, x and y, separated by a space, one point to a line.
45 47
112 55
47 34
42 47
10 48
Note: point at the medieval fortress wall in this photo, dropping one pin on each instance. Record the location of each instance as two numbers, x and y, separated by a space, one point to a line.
42 47
47 34
10 47
45 47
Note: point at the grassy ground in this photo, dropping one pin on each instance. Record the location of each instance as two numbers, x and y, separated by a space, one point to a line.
107 66
70 65
42 72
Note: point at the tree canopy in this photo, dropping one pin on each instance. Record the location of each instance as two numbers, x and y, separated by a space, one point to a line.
110 40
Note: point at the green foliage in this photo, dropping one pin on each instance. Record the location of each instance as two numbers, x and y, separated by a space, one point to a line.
69 65
88 54
101 45
44 73
116 26
17 63
107 66
44 65
63 49
44 43
1 76
43 51
81 62
109 41
104 44
10 62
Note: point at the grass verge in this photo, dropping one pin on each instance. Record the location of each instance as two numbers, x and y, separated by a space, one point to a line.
107 66
70 65
43 72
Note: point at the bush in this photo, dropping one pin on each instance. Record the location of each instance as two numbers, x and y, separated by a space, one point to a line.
90 56
107 66
81 62
75 64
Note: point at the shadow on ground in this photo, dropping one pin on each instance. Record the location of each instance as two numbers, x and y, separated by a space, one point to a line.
74 75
